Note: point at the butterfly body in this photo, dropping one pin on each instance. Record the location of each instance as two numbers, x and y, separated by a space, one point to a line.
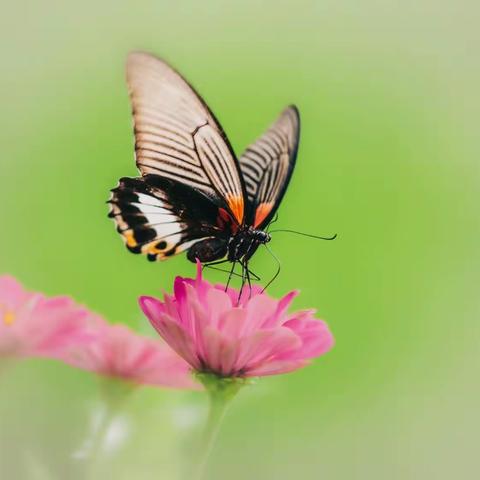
194 194
238 248
245 243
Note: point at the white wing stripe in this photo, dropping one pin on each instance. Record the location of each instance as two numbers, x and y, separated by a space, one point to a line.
170 153
161 138
172 168
163 132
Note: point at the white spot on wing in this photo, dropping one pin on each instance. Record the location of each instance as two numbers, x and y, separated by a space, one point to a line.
150 200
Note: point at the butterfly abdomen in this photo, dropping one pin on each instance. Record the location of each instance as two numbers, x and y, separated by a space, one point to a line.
208 250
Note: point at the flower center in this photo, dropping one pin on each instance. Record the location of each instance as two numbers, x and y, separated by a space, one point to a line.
8 315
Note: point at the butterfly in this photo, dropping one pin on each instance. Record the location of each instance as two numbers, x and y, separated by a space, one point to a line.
194 194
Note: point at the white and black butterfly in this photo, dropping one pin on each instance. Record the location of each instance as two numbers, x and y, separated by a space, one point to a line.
193 193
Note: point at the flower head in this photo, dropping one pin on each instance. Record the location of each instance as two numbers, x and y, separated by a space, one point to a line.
116 351
32 324
216 331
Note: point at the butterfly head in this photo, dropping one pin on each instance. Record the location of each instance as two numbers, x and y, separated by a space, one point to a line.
260 236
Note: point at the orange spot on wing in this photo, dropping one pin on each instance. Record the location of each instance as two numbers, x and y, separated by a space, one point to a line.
152 248
225 219
262 212
236 206
129 238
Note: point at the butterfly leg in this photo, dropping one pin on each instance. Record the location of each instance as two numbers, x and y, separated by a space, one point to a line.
232 272
244 280
247 274
221 270
248 255
254 275
211 264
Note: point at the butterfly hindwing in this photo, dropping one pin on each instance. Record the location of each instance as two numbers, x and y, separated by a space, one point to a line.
161 217
267 166
178 137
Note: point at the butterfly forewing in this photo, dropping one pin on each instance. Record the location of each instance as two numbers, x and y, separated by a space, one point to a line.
267 166
177 136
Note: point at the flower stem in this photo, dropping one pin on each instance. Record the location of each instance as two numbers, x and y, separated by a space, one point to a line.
221 392
114 393
98 441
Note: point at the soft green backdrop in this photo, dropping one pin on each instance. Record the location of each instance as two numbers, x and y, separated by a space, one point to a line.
388 93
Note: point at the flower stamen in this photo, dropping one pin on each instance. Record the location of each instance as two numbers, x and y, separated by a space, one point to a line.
8 315
9 318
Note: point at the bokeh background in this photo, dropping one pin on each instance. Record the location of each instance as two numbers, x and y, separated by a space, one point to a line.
388 93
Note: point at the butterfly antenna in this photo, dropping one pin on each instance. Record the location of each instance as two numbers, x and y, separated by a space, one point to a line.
333 237
275 218
277 272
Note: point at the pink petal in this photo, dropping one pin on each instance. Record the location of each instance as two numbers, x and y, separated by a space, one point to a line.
221 353
177 338
247 294
201 286
200 324
170 307
231 292
12 293
275 367
264 344
151 307
315 335
184 309
259 309
277 318
232 322
168 370
179 289
213 348
217 303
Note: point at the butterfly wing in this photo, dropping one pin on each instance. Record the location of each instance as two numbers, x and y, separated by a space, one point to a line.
161 217
267 166
178 137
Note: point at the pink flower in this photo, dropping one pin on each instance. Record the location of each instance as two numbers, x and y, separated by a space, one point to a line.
116 351
214 332
32 324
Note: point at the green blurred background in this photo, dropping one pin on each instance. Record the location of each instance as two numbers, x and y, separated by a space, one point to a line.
388 94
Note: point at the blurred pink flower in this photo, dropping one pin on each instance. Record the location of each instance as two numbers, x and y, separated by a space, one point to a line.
116 351
214 332
32 324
